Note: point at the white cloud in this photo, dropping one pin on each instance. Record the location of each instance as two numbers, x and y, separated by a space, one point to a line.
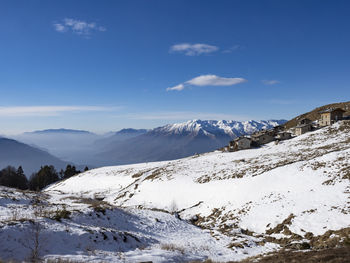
270 82
77 26
213 80
59 27
207 80
193 49
177 87
13 111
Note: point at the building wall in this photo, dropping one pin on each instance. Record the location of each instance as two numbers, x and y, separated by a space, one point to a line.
243 144
284 136
298 131
265 138
302 130
336 115
330 117
325 119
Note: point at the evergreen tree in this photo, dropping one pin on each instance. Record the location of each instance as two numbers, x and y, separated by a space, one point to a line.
44 177
21 179
70 171
61 174
11 177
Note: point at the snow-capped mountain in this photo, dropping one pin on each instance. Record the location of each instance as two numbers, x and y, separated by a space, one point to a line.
179 140
218 206
215 128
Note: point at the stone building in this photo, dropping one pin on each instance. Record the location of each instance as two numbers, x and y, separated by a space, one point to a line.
262 138
330 116
239 143
303 128
283 136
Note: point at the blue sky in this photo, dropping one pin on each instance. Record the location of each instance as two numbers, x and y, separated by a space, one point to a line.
107 65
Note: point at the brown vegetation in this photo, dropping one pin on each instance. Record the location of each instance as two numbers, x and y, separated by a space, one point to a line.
330 255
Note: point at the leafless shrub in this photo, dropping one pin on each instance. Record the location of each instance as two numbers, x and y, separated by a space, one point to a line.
173 247
35 241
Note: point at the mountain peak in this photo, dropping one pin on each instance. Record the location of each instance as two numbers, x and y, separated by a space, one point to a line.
217 127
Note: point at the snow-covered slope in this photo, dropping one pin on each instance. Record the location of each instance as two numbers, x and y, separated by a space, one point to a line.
49 226
294 195
296 176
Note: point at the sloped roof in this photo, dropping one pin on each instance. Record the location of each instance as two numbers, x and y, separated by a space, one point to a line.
240 138
332 110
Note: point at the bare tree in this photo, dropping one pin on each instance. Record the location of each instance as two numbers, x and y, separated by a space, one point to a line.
35 243
35 240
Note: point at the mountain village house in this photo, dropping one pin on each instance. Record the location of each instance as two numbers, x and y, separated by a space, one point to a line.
304 125
330 116
283 135
262 137
239 143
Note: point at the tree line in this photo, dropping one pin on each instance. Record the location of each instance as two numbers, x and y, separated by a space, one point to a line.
15 178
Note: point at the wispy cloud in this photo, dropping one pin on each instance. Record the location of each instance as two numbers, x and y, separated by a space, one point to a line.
231 49
270 82
186 115
207 80
77 26
213 80
13 111
193 49
177 87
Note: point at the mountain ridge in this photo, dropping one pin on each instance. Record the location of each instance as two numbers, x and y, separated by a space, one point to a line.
60 130
179 140
16 153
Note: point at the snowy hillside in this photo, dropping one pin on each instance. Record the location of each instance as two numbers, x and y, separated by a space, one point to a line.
231 205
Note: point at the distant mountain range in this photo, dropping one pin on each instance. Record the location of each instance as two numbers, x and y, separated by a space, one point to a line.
59 131
179 140
168 142
118 136
15 153
69 145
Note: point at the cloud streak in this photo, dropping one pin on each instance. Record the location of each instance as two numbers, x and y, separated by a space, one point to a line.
270 82
232 49
46 111
193 49
207 80
78 27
